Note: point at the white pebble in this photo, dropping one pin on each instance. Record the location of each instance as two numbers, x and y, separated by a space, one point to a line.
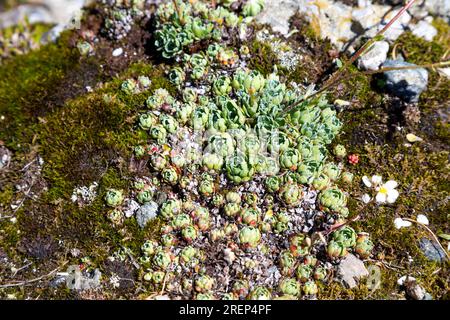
117 52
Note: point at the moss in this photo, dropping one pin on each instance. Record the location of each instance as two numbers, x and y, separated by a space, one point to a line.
93 131
263 57
33 31
88 137
6 194
26 88
420 51
420 169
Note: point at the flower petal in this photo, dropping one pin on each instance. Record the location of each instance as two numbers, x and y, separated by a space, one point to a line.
366 181
366 198
376 179
392 195
400 223
422 219
381 197
391 184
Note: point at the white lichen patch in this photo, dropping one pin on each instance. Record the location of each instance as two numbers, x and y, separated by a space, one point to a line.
85 194
287 56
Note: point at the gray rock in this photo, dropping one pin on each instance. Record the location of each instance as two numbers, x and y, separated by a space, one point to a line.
35 14
431 250
415 291
351 269
374 57
424 30
277 13
407 84
44 11
146 213
440 8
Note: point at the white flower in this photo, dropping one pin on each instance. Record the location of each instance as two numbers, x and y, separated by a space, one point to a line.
366 198
366 181
376 180
422 219
387 192
400 223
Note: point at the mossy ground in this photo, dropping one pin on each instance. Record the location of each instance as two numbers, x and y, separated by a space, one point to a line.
87 136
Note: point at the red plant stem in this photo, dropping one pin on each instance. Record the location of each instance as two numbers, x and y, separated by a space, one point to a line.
361 50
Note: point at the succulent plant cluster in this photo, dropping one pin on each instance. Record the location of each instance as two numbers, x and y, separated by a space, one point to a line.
181 23
235 177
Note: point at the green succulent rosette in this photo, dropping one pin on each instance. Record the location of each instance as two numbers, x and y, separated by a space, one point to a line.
249 237
332 199
346 235
289 286
113 197
238 168
260 293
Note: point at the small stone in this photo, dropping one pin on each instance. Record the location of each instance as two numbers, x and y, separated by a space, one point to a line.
117 52
398 27
414 290
424 30
444 72
351 269
146 213
431 250
401 280
5 157
413 138
376 55
229 256
407 84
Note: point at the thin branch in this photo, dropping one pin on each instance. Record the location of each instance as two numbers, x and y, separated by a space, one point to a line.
21 268
362 50
28 282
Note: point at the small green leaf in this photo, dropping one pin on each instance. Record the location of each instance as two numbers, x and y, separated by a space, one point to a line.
339 63
444 236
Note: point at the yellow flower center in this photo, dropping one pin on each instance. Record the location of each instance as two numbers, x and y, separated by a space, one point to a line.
383 190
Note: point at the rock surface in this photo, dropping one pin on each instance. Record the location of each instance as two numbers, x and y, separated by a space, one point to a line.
424 30
374 57
42 11
351 269
431 250
407 84
146 213
344 25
